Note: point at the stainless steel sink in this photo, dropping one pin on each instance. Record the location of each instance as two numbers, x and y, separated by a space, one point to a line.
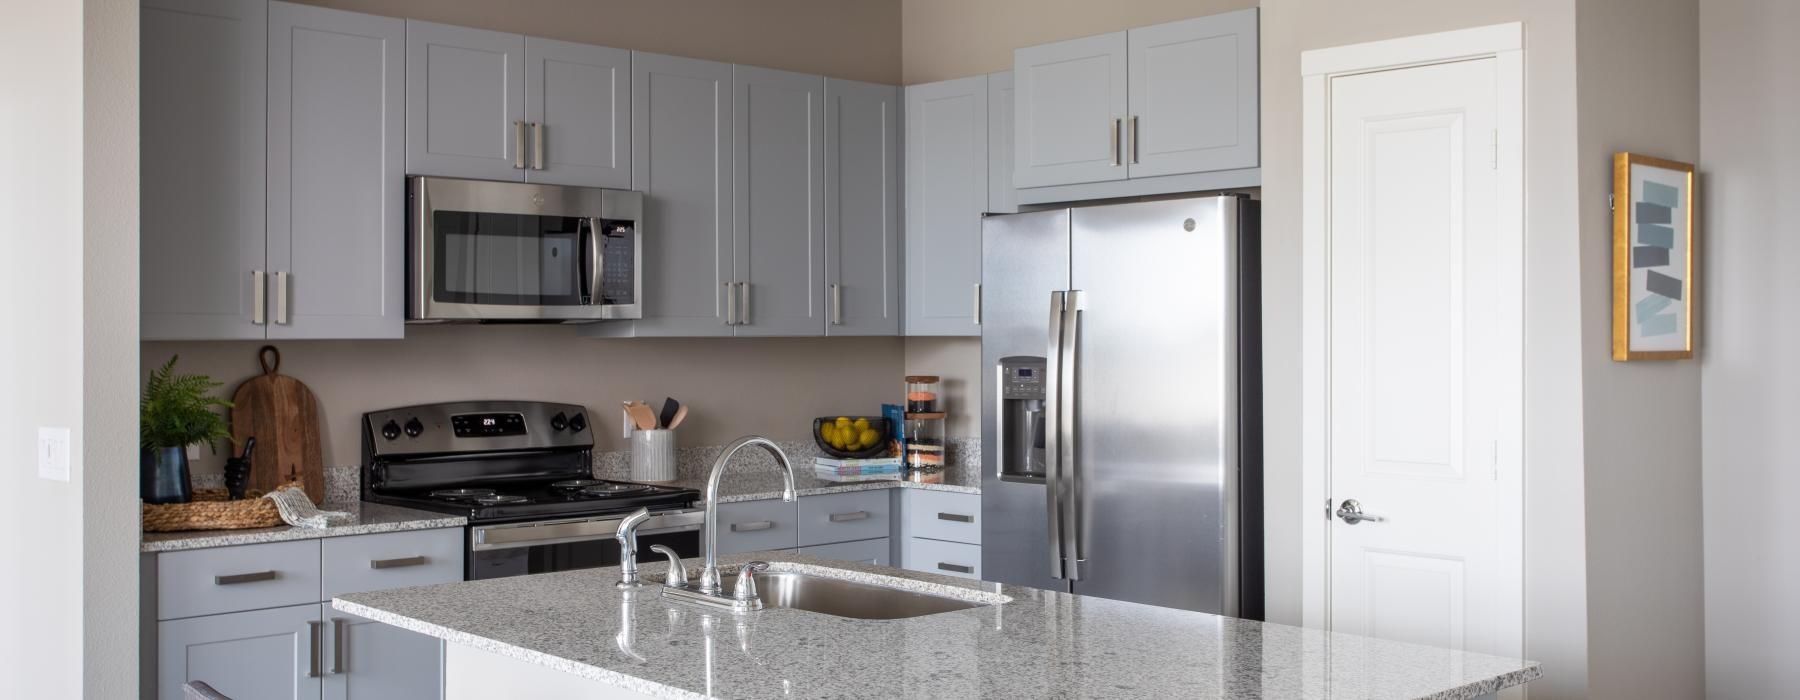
834 596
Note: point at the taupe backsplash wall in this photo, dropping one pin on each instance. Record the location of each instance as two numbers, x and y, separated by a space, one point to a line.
735 386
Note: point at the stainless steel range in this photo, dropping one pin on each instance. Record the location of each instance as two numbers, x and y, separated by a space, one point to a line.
521 472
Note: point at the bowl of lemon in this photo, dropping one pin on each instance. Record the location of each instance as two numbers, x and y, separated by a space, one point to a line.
852 437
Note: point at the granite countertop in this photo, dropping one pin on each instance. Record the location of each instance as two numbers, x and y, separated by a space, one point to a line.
370 518
758 485
1025 643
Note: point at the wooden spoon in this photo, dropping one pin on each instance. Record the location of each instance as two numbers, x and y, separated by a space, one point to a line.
642 416
680 415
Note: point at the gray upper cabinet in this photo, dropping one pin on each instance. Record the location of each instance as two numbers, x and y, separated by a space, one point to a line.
203 162
779 201
946 194
465 102
862 208
335 180
1003 197
578 99
380 662
1194 95
1071 110
264 654
681 159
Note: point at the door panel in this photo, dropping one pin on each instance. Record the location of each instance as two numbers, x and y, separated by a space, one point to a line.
1070 111
1155 421
946 193
1420 358
1194 95
581 95
259 654
380 662
1015 313
465 88
336 186
203 161
862 207
780 201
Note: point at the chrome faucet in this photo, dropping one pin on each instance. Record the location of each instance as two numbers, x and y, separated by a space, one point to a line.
709 576
628 549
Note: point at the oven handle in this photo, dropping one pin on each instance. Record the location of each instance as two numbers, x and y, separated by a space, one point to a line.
513 536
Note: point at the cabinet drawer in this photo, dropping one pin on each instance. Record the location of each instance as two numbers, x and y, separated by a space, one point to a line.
940 515
865 552
390 560
750 526
843 517
229 579
947 558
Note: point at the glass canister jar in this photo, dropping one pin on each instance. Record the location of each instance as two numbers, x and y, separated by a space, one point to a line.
925 441
922 394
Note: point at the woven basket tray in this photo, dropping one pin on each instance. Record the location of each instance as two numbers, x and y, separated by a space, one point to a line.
210 511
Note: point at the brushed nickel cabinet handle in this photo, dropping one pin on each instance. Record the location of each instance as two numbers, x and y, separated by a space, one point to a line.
234 579
340 628
753 526
258 297
744 317
956 517
1114 134
977 303
397 563
518 145
958 568
281 298
537 145
315 629
837 304
1134 139
731 312
848 517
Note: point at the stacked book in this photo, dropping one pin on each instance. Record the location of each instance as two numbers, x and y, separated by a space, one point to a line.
873 469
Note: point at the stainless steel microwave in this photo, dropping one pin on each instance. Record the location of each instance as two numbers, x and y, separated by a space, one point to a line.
482 251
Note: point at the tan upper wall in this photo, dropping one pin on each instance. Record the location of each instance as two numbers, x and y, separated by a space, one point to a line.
946 39
855 39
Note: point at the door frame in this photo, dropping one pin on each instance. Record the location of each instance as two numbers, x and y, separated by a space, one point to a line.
1505 44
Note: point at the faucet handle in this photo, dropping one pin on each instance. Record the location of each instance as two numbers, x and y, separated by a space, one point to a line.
677 576
746 581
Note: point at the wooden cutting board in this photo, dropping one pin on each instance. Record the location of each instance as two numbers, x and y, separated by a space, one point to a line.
283 415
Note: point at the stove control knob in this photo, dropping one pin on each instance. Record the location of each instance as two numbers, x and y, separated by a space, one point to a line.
390 430
558 422
578 423
414 427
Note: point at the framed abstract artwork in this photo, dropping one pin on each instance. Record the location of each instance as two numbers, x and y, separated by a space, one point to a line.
1653 258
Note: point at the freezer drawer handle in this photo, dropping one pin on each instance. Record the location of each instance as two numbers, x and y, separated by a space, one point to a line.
956 517
397 563
234 579
848 517
958 568
753 526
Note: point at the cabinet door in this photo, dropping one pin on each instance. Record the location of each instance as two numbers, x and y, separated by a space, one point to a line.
874 551
681 140
262 654
368 660
946 193
1194 96
202 130
1070 112
1003 197
336 173
862 208
465 102
579 96
754 526
780 201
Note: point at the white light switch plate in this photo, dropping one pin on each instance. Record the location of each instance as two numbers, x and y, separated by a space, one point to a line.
53 454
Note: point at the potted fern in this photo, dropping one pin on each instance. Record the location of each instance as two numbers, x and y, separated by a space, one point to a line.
177 410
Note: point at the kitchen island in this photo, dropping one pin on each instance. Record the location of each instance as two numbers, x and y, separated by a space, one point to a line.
573 635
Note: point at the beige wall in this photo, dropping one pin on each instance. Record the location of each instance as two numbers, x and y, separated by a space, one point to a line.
946 39
958 362
734 387
854 39
1640 91
1750 103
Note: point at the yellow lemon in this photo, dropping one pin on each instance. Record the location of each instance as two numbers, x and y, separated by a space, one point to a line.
860 425
827 431
868 438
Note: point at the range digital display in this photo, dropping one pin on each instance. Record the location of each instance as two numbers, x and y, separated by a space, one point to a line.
487 424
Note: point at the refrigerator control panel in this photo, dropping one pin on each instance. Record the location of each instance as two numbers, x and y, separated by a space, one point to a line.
1022 378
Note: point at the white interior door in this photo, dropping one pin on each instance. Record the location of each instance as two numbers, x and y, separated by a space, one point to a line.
1423 360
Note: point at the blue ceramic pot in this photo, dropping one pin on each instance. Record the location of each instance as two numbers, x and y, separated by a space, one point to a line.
163 475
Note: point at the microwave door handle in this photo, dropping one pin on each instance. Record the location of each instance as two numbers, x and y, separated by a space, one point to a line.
1052 438
596 262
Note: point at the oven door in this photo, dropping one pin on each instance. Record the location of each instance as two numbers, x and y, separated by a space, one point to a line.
508 251
516 549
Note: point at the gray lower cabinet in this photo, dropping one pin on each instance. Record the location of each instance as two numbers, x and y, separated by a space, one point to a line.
843 517
946 194
262 654
682 136
753 526
779 201
203 133
373 661
939 557
876 551
862 208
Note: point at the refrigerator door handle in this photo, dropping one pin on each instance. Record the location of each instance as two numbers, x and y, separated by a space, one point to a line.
1074 550
1052 434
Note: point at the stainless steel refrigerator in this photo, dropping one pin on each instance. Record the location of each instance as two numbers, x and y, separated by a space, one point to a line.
1122 436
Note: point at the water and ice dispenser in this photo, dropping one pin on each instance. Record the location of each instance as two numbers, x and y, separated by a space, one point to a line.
1021 453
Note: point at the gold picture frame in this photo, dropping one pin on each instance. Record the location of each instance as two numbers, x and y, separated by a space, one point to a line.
1654 256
